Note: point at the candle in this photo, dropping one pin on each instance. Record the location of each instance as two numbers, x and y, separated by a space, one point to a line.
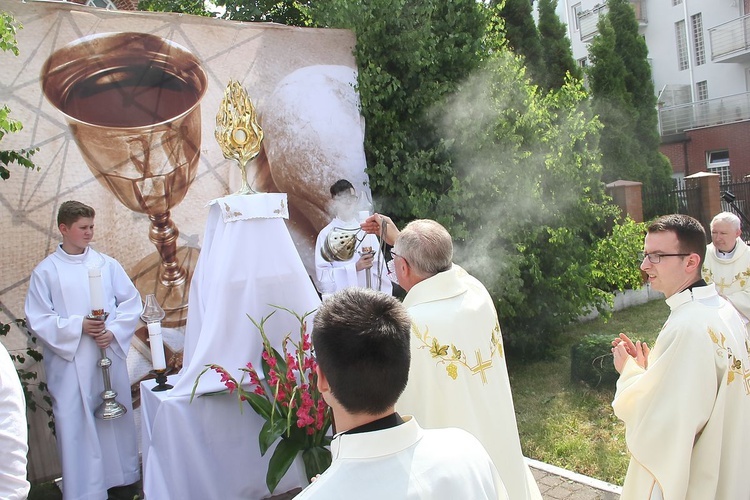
362 215
157 346
96 291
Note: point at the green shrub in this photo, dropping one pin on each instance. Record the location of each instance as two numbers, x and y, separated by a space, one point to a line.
615 263
591 362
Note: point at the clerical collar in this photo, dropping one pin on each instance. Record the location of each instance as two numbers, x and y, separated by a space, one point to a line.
700 282
380 424
726 255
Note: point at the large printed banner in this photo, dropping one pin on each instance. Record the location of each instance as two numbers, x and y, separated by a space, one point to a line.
123 106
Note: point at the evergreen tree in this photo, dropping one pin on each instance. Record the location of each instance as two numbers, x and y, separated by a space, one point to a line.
522 35
624 99
556 50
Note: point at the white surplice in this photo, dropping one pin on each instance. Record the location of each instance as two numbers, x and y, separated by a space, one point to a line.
732 275
96 454
687 416
334 276
407 462
13 432
458 376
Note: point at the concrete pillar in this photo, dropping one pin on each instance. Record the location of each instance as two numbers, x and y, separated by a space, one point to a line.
707 201
628 196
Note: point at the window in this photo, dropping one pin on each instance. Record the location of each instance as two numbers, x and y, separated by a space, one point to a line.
104 4
583 62
676 2
576 10
701 90
698 45
718 163
682 51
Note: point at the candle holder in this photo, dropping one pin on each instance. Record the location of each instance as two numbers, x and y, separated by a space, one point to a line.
110 408
161 381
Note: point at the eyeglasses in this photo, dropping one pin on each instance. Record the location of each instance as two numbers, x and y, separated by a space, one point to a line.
394 255
655 258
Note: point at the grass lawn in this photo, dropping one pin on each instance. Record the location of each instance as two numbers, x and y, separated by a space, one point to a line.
569 424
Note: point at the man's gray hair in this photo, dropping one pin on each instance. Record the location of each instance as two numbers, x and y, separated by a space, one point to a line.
427 247
727 217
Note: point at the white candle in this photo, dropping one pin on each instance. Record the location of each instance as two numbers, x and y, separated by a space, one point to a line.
96 290
363 215
157 346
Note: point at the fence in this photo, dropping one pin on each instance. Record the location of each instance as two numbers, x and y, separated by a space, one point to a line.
678 200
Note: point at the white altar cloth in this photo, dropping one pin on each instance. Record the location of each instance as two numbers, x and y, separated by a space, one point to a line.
206 449
248 261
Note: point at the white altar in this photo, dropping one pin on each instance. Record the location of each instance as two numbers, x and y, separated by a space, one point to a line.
208 448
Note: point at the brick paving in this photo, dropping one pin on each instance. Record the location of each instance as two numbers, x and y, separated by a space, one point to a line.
560 484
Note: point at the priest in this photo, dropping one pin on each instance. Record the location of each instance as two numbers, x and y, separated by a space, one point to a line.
728 262
686 402
458 374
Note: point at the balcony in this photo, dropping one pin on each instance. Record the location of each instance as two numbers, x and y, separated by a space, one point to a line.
708 113
589 19
730 41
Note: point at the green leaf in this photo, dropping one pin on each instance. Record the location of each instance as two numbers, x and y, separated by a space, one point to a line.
317 460
270 432
281 460
259 404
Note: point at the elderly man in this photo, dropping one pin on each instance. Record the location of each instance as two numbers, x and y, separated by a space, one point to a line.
458 374
686 402
728 262
361 340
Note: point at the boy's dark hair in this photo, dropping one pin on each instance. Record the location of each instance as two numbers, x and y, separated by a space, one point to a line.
340 186
71 211
690 233
361 341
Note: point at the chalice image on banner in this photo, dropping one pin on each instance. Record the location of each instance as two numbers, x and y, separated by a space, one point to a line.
132 103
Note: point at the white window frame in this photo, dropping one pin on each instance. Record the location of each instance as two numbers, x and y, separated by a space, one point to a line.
109 4
576 11
683 61
717 162
699 46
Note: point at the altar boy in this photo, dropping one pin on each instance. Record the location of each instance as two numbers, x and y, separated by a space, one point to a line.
96 454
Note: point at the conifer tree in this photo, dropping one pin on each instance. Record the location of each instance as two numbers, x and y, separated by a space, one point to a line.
522 35
556 51
624 99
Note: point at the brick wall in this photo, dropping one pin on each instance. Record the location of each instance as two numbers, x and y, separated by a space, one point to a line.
675 151
734 137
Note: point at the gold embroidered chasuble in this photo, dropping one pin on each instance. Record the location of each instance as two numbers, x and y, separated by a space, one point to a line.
458 376
687 416
732 276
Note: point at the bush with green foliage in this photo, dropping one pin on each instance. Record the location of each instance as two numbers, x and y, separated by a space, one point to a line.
591 362
616 266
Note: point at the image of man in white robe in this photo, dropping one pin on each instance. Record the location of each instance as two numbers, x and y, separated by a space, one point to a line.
685 402
728 262
458 373
96 454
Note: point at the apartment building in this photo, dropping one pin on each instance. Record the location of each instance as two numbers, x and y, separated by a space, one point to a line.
700 59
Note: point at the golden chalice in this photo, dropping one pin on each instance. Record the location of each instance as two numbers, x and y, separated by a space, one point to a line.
132 102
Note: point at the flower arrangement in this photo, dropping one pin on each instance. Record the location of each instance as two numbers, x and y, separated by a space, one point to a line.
288 399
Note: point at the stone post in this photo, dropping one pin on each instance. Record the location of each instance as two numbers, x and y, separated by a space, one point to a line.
627 195
706 203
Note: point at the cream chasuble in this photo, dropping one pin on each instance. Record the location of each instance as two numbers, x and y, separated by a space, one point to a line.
407 462
687 416
732 276
96 454
458 376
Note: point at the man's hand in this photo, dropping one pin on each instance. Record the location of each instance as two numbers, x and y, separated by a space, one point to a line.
104 339
623 347
93 327
373 224
365 261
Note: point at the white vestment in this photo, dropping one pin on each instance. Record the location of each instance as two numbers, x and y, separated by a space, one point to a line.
458 376
687 416
731 276
13 432
407 462
95 454
334 276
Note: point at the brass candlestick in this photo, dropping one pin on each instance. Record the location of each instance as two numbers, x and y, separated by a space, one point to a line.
132 102
237 130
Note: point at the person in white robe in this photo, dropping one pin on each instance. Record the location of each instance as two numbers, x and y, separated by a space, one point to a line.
685 402
728 262
458 373
13 432
361 341
336 275
96 454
